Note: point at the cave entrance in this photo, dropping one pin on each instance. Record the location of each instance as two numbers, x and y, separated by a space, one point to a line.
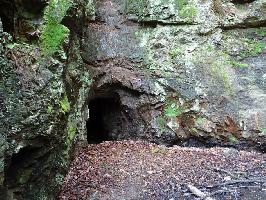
242 1
105 119
7 15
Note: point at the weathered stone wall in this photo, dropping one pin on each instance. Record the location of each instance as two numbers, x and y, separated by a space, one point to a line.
203 63
39 119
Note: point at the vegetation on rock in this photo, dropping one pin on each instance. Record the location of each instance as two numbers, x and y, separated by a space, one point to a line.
54 33
65 105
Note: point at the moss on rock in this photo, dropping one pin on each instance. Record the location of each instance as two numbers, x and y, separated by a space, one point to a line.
54 33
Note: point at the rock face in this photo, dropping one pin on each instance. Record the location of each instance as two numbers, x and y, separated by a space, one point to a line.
37 117
171 72
202 76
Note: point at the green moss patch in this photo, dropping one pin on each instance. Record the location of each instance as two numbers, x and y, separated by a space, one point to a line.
172 109
161 122
254 47
53 32
239 64
52 37
188 12
64 104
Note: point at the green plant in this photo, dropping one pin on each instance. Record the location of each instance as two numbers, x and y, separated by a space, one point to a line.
172 109
11 45
188 12
263 131
238 64
240 6
56 10
50 109
175 51
161 122
200 120
181 3
52 37
232 138
254 47
71 129
261 32
194 130
53 32
65 105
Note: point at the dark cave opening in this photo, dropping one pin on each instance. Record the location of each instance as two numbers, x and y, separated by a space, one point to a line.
241 1
7 15
8 25
105 119
19 163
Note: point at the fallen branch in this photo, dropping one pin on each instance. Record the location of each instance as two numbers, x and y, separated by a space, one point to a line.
199 193
238 181
220 170
218 192
223 171
235 175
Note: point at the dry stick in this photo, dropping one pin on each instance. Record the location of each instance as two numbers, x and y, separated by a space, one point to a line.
217 192
220 170
199 193
238 181
232 174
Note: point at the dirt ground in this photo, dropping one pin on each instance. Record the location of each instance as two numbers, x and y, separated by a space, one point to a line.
138 170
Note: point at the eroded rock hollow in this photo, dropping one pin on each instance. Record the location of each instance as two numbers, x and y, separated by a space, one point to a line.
109 117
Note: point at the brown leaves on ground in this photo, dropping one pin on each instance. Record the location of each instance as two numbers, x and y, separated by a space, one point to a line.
140 170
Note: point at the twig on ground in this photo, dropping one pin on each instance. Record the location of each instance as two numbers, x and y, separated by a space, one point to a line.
238 181
218 192
199 193
221 170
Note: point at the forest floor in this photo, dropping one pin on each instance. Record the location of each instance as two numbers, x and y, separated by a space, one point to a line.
138 170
